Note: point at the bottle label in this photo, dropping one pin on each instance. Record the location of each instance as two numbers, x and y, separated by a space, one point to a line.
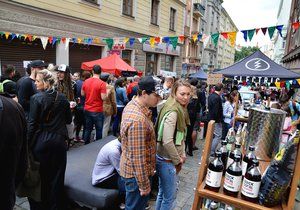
213 178
244 167
232 183
250 188
229 162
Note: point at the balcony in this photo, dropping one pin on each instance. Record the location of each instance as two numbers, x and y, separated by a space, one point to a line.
187 30
199 10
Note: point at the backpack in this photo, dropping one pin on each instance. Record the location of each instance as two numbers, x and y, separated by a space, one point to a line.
2 85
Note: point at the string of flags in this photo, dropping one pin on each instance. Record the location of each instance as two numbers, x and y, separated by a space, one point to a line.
173 40
280 84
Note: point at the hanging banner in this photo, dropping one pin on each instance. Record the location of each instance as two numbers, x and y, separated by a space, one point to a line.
213 79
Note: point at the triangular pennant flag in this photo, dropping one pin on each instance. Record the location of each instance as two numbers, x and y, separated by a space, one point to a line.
17 35
67 43
245 32
215 38
79 40
296 25
298 80
131 41
126 39
29 37
295 82
264 30
181 38
25 36
143 39
251 34
279 28
2 33
97 40
199 37
157 39
54 40
277 84
194 37
90 40
63 39
13 36
232 37
271 31
205 39
287 84
257 30
152 42
34 37
58 39
74 40
225 35
166 39
7 35
174 41
50 39
44 41
109 42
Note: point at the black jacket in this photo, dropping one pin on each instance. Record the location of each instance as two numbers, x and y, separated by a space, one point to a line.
46 114
26 88
13 150
215 108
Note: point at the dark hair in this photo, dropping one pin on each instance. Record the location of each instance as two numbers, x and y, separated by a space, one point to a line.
287 110
85 75
194 82
119 82
65 86
28 69
9 69
283 99
97 69
219 87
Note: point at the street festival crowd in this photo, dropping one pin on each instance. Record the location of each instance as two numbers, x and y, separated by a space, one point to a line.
156 120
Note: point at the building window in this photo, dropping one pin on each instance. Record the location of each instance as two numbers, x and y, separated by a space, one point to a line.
128 7
154 12
172 19
126 56
169 63
92 1
151 64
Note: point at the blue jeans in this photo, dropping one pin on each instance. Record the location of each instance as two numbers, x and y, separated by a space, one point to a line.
168 185
133 199
91 119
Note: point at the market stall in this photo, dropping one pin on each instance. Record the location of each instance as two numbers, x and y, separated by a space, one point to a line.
112 64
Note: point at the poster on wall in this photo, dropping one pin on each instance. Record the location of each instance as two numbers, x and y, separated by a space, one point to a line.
168 73
213 79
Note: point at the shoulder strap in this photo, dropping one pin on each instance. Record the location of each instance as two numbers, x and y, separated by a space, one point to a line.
2 85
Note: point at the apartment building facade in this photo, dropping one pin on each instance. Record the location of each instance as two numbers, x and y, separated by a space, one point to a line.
93 18
225 49
291 59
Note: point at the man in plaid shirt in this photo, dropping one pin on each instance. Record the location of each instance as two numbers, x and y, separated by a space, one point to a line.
139 144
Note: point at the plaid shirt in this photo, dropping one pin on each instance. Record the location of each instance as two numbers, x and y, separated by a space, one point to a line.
138 144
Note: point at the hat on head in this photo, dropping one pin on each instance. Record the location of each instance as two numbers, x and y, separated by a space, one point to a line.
151 85
104 76
63 68
38 64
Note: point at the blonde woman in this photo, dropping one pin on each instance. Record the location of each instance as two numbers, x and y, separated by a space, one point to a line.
171 130
49 114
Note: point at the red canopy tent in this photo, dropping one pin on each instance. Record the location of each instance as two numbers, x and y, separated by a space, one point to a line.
112 64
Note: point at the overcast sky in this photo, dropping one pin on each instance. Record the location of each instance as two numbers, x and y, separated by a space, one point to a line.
250 14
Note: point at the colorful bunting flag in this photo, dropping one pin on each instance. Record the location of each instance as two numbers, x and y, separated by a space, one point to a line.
245 33
277 84
63 39
279 28
142 40
166 39
50 39
79 40
7 35
287 84
296 25
232 37
109 42
67 43
199 37
13 36
74 40
152 42
44 41
181 38
215 38
34 37
131 41
257 30
194 37
251 34
225 35
126 40
157 39
54 40
264 30
271 31
29 38
298 80
205 39
174 41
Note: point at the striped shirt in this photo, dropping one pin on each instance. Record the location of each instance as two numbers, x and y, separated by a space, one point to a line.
138 144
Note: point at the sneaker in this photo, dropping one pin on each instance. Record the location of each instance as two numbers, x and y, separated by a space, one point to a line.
122 206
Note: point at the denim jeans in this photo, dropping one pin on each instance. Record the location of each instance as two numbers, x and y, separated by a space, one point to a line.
133 199
91 119
168 185
217 138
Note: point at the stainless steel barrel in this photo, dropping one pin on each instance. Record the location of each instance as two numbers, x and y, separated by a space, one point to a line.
264 131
